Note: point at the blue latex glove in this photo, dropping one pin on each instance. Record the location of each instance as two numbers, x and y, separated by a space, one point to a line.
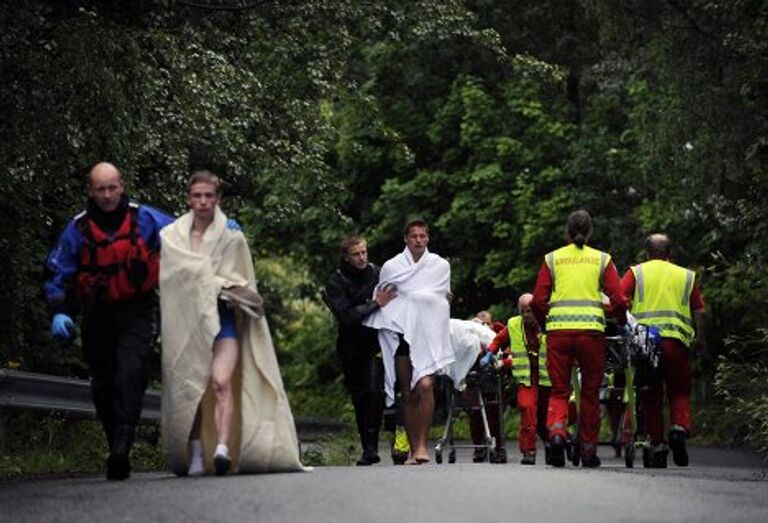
232 225
487 359
62 327
654 335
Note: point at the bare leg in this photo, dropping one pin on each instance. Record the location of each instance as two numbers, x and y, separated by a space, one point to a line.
410 402
224 361
425 410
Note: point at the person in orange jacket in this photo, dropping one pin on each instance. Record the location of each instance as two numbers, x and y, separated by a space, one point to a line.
528 349
567 300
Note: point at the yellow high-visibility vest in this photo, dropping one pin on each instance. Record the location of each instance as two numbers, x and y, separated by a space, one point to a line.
518 346
577 281
662 298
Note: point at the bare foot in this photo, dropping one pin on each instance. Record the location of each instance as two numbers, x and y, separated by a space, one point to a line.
412 460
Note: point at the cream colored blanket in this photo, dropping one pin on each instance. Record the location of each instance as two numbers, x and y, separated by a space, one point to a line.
264 435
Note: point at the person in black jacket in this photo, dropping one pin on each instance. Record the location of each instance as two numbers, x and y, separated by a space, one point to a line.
349 293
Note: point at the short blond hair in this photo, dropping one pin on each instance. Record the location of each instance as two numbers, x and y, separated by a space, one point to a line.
204 176
350 241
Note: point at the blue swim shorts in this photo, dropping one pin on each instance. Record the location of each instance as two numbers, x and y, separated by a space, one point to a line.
227 320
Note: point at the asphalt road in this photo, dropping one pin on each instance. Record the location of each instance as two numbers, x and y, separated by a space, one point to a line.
719 486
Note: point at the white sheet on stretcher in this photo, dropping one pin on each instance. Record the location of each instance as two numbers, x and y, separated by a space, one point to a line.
467 341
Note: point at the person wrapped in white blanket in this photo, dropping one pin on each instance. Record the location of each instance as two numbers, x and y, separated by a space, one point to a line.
414 332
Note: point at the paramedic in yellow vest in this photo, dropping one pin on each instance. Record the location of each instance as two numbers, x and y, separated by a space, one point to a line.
528 349
665 295
567 300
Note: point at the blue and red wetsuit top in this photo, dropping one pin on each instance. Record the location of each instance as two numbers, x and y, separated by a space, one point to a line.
114 254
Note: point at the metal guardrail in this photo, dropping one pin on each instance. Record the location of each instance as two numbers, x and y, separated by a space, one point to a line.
32 391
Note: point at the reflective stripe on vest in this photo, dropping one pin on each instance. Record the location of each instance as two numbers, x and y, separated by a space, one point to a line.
663 298
577 281
521 363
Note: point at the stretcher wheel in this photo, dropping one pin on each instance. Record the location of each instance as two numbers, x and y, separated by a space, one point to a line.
629 455
452 456
438 456
647 457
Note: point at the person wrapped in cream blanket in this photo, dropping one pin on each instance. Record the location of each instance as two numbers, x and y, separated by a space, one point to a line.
221 382
415 327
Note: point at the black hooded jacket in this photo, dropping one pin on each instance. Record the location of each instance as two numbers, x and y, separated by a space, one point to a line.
349 295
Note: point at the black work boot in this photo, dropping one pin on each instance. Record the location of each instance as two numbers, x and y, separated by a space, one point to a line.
118 462
589 457
677 437
370 441
529 458
369 457
590 461
557 451
499 455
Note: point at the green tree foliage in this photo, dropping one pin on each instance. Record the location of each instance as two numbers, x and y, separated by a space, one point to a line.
160 88
653 118
304 336
693 75
493 120
267 97
497 193
741 383
158 91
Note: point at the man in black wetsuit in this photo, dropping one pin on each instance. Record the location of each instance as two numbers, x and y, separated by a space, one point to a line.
349 293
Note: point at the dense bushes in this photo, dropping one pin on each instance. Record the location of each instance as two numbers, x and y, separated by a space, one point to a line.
742 385
491 119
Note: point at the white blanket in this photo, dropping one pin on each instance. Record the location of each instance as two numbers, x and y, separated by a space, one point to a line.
468 338
263 433
420 312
